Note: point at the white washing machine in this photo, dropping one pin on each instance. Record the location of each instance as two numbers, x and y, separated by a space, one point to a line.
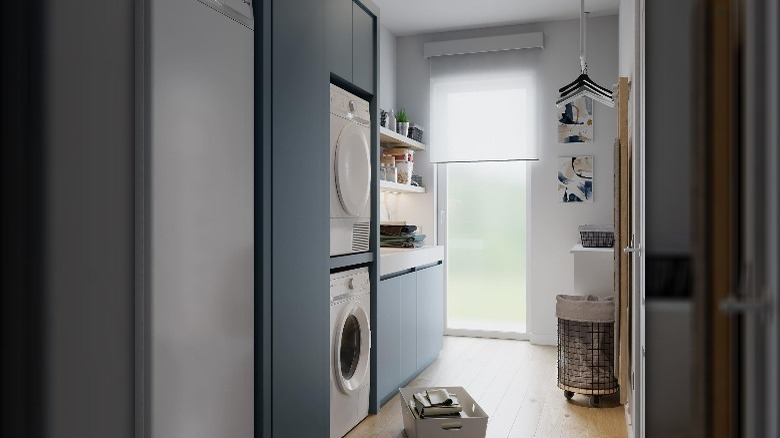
350 173
350 349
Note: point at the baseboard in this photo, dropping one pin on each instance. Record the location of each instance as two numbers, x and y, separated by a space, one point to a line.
538 339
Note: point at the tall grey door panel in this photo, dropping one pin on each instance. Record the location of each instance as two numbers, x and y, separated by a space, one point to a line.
202 322
362 49
338 37
409 330
388 342
430 314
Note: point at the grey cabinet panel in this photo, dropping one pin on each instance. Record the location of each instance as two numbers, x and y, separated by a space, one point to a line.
300 327
430 314
388 343
338 37
409 333
362 48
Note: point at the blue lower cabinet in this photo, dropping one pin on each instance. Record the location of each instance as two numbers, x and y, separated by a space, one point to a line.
430 314
388 343
410 327
408 333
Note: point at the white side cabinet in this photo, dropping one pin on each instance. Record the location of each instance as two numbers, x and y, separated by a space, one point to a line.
594 270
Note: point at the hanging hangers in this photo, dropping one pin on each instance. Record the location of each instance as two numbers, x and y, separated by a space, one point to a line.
584 85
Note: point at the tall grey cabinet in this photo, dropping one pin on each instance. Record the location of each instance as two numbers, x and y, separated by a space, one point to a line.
304 44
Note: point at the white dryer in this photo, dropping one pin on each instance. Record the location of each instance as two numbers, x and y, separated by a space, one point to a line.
350 173
350 349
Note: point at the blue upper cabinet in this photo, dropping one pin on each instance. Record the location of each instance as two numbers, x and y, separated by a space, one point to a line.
350 42
338 45
362 48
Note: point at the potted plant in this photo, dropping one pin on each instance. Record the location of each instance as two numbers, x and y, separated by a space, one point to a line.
403 122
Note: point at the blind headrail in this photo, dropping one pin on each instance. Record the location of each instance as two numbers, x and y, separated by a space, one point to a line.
533 40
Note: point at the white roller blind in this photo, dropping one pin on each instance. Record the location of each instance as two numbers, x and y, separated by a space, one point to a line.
483 107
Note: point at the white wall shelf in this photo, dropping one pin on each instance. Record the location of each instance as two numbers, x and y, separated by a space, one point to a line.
579 248
393 139
391 187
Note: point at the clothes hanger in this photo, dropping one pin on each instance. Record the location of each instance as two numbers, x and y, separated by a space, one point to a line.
584 85
583 79
585 92
587 86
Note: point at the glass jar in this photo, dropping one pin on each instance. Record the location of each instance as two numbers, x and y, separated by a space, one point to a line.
392 173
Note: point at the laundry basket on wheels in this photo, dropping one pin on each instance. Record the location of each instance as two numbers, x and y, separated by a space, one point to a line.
586 340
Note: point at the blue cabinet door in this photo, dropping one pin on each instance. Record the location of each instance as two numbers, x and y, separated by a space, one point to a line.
338 37
430 314
408 323
387 338
362 48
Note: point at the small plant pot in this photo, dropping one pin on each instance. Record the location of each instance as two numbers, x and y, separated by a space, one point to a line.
403 128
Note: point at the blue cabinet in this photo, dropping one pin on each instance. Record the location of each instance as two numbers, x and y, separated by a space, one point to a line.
388 343
409 326
338 44
408 334
362 48
350 42
430 314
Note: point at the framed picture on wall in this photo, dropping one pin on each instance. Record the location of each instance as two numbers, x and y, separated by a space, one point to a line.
575 121
575 179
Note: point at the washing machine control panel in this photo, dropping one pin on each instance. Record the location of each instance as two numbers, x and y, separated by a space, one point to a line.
352 282
343 102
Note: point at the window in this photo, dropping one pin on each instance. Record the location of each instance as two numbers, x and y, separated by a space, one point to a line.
483 125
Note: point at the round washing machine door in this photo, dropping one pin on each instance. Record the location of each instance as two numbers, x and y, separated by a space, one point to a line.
353 169
351 349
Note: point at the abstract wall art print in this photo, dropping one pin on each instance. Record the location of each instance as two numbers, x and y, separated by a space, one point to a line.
575 122
575 179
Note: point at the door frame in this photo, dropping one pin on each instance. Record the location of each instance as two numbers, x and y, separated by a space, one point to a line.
758 351
638 228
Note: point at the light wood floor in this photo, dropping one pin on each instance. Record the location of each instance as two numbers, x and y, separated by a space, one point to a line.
515 383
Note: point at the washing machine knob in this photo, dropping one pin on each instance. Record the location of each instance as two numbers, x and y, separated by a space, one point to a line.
352 106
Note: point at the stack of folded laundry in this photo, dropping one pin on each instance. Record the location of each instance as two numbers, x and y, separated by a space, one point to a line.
400 236
435 403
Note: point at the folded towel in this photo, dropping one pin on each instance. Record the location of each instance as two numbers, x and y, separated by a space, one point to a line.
397 230
423 405
439 397
413 238
414 241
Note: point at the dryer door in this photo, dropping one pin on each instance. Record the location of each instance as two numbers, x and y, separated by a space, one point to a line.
352 349
353 169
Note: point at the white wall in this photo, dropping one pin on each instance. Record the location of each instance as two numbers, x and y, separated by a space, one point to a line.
626 38
386 68
552 224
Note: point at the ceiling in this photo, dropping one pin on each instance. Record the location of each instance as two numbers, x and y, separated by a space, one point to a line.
409 17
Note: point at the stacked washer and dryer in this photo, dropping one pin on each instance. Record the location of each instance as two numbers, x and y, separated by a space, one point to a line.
350 229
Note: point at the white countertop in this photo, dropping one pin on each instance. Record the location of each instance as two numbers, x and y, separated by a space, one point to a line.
400 259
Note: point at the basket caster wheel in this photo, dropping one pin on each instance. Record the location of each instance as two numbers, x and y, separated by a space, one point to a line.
568 395
595 400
